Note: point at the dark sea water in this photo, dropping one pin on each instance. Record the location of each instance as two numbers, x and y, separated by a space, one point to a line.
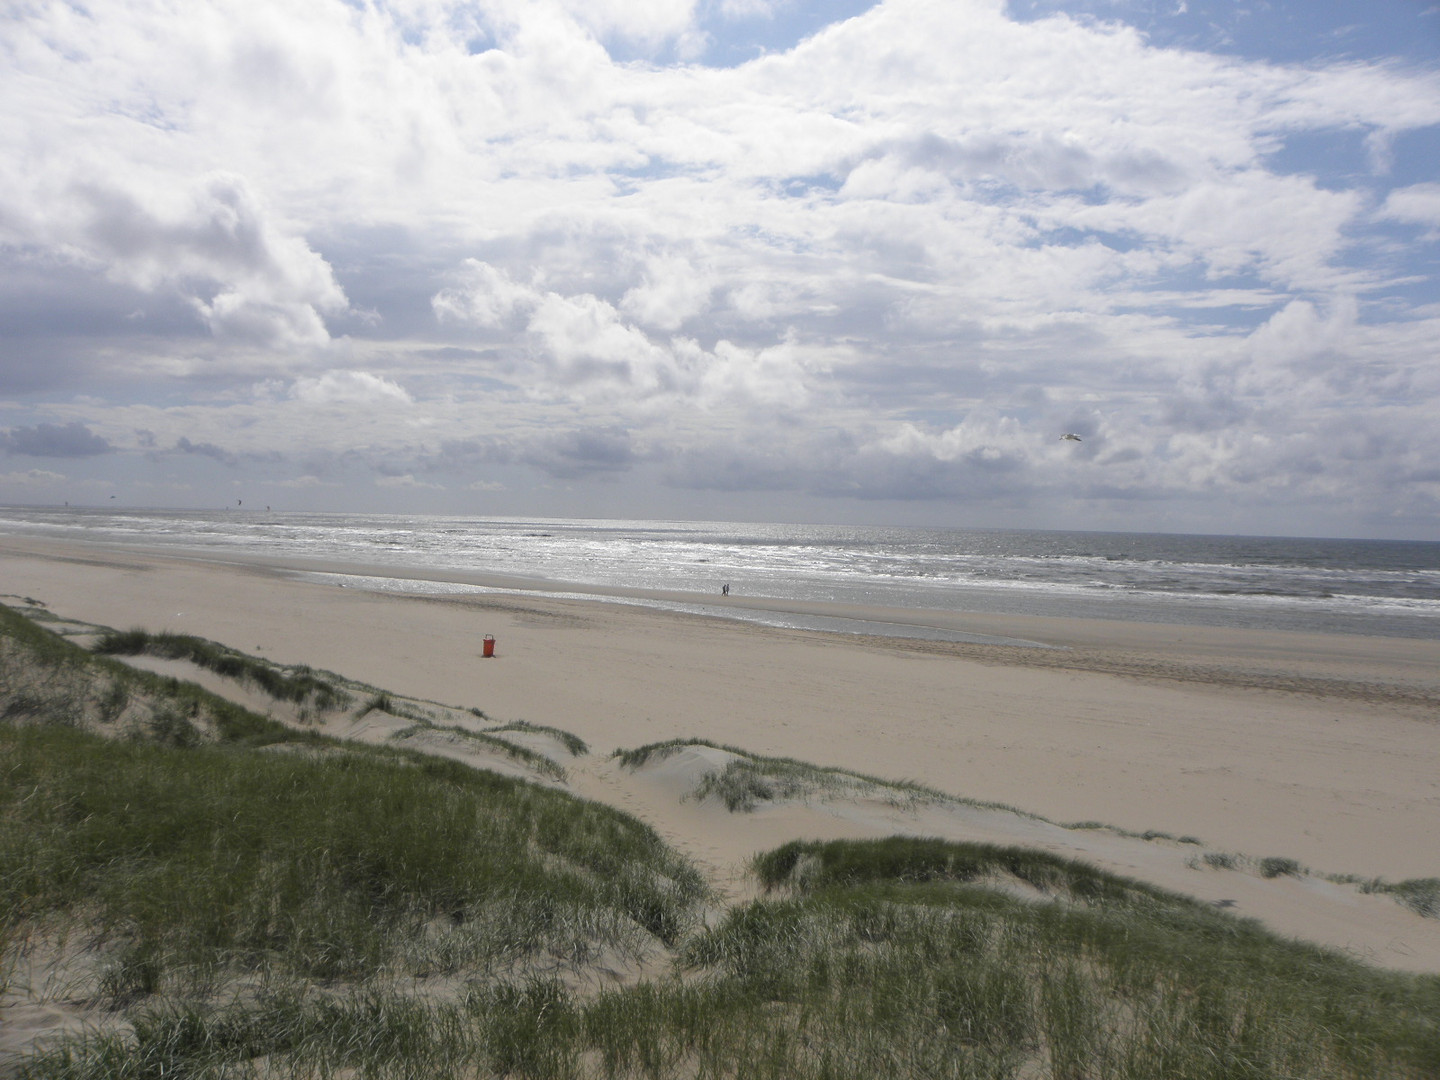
1373 587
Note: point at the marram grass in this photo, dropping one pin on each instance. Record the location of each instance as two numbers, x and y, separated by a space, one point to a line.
304 908
299 684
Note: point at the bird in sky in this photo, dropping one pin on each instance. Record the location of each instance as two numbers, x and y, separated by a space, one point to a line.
1071 436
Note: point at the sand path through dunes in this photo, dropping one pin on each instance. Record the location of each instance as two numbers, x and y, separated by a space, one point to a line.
1321 749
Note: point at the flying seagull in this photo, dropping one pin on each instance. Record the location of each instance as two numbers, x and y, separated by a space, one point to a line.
1071 436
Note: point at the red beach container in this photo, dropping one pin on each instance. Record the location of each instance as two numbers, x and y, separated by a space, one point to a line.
489 646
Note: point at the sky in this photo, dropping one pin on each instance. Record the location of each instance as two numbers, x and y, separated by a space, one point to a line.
765 260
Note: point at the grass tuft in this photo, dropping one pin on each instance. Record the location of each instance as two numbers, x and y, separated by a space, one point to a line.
298 684
523 754
576 746
634 759
381 702
752 779
1273 866
1420 895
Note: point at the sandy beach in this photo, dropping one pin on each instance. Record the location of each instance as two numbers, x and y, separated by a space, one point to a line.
1318 748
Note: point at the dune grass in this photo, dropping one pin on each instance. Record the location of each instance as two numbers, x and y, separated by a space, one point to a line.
307 908
1273 866
890 971
46 676
205 856
1120 978
575 745
811 865
1420 895
299 684
188 846
642 755
524 755
752 779
321 691
882 959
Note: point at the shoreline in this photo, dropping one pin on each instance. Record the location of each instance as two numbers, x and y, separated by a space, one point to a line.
1299 598
1313 747
1402 671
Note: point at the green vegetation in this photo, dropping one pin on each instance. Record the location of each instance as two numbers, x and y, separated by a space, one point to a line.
1109 978
536 761
745 783
810 866
294 906
1148 834
1420 895
1273 866
314 692
634 759
49 678
572 742
752 779
299 684
334 864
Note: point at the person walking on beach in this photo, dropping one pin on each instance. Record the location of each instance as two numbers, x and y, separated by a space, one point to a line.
725 589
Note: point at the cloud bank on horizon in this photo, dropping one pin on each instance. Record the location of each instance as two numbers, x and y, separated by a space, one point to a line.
763 259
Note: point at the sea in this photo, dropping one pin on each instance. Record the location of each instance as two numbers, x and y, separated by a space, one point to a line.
1383 588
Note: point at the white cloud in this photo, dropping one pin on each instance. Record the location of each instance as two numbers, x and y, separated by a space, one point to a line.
780 375
647 21
208 239
349 388
671 290
407 481
1418 204
31 478
584 341
488 297
904 250
1298 333
306 482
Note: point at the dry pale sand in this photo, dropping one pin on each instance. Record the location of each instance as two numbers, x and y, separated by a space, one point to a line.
1315 747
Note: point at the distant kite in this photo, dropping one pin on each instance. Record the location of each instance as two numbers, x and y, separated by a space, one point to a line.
1071 436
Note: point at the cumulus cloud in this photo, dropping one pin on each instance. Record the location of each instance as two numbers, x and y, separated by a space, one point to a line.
204 449
583 340
1298 333
649 22
1418 204
208 240
243 275
407 481
305 482
672 290
891 260
30 478
349 388
583 452
72 440
488 298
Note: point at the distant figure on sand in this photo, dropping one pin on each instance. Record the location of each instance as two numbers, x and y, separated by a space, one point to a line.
725 589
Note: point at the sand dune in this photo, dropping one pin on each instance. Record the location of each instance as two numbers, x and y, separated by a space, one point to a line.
1317 748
